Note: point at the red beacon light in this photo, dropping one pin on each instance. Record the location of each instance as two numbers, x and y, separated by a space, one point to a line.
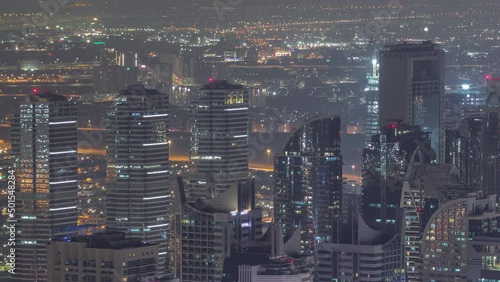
488 77
211 80
35 90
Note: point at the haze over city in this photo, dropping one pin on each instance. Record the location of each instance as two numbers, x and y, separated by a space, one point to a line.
246 141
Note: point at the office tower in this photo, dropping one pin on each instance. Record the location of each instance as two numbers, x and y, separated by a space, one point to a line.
138 167
491 148
449 232
219 139
209 229
385 161
426 188
44 145
308 183
412 87
102 257
460 103
464 150
371 95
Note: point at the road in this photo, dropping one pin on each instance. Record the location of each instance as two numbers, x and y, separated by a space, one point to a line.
181 158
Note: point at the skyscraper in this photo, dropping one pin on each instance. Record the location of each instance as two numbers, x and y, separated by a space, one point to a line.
491 148
412 88
385 161
138 167
372 126
464 150
308 182
219 139
426 188
44 143
208 230
462 102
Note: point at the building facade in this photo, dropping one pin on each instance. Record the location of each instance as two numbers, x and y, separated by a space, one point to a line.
308 183
361 253
462 102
219 139
412 88
361 262
426 189
104 257
385 161
208 230
44 145
372 125
138 167
450 230
491 148
464 150
483 258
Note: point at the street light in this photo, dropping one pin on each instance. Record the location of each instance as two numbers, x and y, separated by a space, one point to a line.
268 155
353 168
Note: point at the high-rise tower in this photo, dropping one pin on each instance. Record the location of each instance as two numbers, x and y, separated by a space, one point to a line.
44 143
385 161
138 167
412 88
372 126
219 139
308 182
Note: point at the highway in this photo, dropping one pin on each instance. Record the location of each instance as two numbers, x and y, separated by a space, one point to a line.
183 158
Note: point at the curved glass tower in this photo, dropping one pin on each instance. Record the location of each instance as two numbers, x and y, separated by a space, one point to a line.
308 182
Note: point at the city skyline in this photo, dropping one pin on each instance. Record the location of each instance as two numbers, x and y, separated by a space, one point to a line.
249 141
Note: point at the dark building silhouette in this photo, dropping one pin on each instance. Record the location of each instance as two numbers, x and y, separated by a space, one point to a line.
384 165
464 150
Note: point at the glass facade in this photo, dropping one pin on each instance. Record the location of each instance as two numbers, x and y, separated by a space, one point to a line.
138 167
219 139
308 183
44 143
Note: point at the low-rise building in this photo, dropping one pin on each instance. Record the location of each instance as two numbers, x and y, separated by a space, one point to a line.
103 257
